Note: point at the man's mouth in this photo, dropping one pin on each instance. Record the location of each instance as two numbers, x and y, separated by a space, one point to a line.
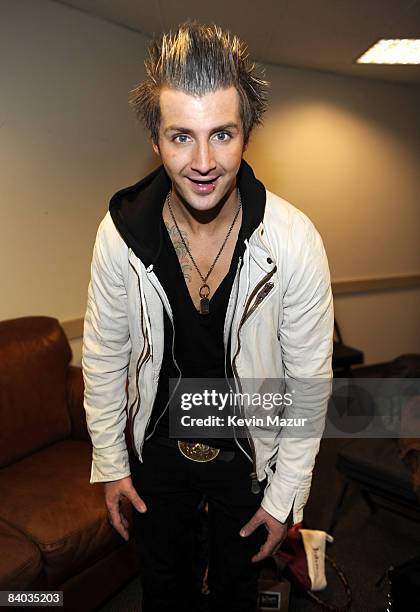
203 185
201 181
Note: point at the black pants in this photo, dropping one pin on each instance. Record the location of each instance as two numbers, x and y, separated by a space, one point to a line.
167 535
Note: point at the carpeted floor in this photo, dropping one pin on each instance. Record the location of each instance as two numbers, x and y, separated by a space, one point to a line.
365 544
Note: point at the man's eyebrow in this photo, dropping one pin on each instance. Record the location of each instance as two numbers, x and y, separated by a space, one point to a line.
226 126
175 128
184 130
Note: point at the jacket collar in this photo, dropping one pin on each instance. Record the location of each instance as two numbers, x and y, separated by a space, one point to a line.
137 210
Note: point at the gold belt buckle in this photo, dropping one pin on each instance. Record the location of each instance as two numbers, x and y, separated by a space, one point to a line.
197 451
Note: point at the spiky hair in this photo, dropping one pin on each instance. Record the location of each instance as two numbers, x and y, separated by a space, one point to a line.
198 59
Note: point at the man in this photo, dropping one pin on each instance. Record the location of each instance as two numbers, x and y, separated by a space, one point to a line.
199 272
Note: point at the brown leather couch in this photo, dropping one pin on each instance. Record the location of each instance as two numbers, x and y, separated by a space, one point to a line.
54 532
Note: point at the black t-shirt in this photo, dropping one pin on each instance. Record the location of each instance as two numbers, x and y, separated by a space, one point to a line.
199 347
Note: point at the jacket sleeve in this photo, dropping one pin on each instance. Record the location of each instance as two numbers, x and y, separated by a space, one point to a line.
306 338
105 356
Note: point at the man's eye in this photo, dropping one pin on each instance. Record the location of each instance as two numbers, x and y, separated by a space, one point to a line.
222 136
180 138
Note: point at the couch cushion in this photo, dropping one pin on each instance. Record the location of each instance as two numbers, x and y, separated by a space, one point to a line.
34 356
20 560
48 497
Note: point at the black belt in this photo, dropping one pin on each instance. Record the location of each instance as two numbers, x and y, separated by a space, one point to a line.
198 452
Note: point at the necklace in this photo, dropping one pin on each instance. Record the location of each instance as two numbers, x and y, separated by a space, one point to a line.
204 290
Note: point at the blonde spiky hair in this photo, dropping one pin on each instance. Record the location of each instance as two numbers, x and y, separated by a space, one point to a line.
198 59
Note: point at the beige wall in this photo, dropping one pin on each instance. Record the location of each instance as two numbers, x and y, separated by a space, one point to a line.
67 142
344 150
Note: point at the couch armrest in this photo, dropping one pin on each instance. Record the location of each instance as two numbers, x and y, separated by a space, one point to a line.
75 393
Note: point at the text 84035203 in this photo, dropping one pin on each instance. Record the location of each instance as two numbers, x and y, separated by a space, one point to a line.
31 598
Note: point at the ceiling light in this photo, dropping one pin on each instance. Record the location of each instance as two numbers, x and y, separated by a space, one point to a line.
392 51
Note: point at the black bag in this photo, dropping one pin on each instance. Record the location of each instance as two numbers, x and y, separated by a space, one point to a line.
404 586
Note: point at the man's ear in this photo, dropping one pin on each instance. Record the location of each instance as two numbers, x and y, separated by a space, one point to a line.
156 148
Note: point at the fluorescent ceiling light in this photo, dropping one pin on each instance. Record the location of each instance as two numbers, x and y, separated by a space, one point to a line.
393 51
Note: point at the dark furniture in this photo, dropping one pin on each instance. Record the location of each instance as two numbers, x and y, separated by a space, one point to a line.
387 470
374 465
54 532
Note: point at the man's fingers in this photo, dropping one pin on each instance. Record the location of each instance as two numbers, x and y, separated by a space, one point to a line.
124 521
114 491
136 500
265 551
270 546
116 520
249 527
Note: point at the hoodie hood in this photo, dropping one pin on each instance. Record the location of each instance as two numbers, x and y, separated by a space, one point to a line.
137 210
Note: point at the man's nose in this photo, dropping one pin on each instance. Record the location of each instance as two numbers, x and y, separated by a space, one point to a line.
203 160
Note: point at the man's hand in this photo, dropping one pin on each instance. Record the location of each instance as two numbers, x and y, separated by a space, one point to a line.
114 491
276 533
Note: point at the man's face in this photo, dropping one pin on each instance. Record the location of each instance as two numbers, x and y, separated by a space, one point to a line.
201 144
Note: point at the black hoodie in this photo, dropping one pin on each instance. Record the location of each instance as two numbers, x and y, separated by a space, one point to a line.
137 210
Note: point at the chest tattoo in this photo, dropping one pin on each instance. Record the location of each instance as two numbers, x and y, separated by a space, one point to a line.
180 250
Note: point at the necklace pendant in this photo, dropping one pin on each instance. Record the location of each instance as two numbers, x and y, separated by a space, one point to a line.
204 306
204 293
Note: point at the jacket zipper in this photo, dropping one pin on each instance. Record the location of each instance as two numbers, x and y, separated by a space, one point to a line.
173 392
133 413
260 298
226 356
255 487
159 288
140 361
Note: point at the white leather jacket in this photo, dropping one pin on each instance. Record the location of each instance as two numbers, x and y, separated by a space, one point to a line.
280 315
